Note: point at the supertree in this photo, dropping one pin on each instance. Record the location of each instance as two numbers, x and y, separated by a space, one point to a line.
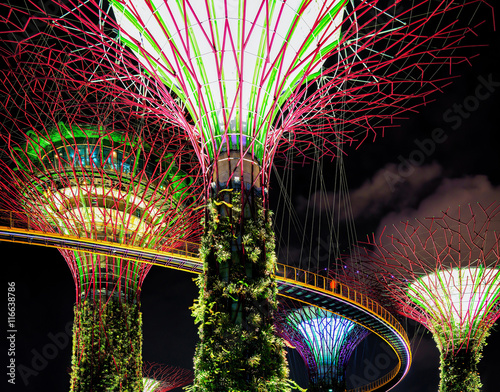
324 340
76 164
244 80
443 273
163 378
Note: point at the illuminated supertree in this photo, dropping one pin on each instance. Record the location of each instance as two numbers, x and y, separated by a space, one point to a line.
76 164
163 378
244 80
443 272
324 340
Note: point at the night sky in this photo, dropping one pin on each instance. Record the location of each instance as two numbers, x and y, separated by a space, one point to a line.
463 167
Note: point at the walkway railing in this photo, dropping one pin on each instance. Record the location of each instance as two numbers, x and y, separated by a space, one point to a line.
332 287
22 221
337 289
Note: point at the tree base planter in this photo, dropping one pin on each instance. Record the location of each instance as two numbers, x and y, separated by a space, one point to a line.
107 347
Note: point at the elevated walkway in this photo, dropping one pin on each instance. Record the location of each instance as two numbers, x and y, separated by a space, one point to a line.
299 285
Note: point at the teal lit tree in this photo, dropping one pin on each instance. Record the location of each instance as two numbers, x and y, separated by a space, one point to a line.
324 340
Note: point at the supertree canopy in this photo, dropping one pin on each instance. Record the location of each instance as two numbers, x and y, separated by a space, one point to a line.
244 80
233 64
74 164
325 341
443 272
163 378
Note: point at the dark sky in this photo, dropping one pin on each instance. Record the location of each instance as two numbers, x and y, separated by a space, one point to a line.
464 165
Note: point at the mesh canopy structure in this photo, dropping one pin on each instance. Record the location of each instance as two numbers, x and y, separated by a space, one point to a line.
74 164
324 340
233 64
462 296
443 272
260 77
85 169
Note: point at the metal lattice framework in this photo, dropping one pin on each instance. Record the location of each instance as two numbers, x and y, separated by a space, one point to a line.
255 78
243 81
324 340
163 378
84 169
79 165
443 272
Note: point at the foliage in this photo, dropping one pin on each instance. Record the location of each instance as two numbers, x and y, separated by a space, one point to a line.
107 347
459 366
238 349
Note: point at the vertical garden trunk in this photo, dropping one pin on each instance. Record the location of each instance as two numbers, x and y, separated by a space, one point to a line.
107 334
238 349
459 369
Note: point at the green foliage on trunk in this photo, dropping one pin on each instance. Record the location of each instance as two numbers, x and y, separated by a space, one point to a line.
459 366
238 348
107 347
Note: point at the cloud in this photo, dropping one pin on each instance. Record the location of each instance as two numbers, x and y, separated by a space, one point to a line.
449 195
376 207
376 195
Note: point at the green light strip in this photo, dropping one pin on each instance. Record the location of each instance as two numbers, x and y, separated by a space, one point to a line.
199 96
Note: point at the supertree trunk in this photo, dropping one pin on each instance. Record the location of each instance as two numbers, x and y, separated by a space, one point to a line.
107 328
458 369
107 347
238 348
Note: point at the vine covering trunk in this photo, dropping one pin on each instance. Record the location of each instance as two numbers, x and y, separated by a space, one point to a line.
238 349
107 347
459 367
